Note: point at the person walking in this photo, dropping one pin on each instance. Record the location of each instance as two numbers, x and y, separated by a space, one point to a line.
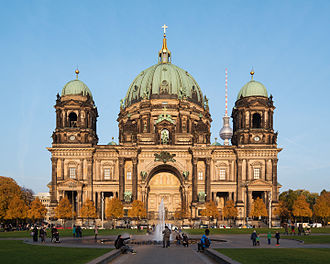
254 238
96 231
166 237
205 241
269 238
74 231
35 234
277 236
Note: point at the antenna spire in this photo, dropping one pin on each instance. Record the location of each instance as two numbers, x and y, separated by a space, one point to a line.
226 96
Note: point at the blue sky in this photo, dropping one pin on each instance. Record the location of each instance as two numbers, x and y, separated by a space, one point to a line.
287 43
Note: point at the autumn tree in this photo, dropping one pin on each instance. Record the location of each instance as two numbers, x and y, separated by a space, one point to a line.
88 210
27 195
229 210
258 208
211 210
37 210
181 212
138 210
114 209
322 206
17 209
9 189
64 209
301 208
282 210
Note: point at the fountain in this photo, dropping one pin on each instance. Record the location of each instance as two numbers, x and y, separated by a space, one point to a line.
158 233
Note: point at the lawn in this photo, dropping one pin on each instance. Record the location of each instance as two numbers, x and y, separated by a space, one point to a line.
316 239
13 252
68 232
279 255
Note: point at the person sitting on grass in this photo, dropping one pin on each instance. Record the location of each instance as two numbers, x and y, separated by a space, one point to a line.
205 241
120 244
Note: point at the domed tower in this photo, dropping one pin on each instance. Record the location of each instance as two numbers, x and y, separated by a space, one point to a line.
226 131
164 105
253 116
76 115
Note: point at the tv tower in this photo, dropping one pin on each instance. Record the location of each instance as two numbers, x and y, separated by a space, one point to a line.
226 131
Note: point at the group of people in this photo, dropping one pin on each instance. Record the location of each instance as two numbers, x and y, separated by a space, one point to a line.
256 238
76 231
41 233
181 239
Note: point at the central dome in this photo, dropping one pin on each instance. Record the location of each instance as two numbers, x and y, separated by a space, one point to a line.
163 80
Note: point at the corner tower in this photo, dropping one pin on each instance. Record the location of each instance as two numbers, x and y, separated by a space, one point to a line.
76 115
253 116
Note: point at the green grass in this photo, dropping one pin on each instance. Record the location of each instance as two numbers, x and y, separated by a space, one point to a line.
68 233
317 239
13 252
279 255
199 231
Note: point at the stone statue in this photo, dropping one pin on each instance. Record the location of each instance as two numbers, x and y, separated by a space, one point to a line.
164 136
185 175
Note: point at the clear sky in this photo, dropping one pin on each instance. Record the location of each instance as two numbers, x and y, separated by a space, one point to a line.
287 43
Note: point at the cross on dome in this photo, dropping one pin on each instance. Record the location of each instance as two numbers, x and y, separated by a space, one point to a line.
164 27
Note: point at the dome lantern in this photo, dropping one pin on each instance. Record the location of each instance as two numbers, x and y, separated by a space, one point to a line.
164 54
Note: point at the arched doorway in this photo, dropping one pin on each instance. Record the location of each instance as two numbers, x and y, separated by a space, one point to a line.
164 183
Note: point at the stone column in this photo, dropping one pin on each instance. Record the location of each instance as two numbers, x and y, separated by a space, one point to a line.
79 203
121 178
90 178
53 195
194 180
81 170
274 169
207 179
62 169
134 179
249 202
239 182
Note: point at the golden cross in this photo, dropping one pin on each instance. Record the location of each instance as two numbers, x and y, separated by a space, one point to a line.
164 27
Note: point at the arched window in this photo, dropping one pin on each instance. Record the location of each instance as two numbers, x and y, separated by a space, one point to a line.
72 119
256 121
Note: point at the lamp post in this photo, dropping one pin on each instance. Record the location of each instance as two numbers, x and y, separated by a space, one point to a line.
102 206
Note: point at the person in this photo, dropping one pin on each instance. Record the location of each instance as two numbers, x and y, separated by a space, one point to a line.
120 244
185 240
166 237
258 240
42 234
178 238
277 236
300 229
205 241
78 231
286 228
96 231
35 234
292 229
74 231
269 238
254 238
53 231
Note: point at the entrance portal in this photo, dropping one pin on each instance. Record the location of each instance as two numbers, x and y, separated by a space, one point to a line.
166 186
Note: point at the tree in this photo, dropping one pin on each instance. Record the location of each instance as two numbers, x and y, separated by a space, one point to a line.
301 208
181 212
258 208
138 210
8 190
27 195
114 209
211 210
88 210
229 210
17 209
37 210
64 209
282 210
322 206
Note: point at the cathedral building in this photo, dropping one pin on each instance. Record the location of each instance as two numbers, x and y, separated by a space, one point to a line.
164 150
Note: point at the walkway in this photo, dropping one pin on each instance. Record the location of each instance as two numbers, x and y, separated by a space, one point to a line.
160 255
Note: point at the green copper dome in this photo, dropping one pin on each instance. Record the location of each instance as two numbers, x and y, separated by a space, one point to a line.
163 79
252 88
76 87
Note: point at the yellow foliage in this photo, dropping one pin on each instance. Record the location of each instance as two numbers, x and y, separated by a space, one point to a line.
301 207
8 190
282 210
210 210
322 205
64 209
258 208
37 210
114 209
88 210
138 210
230 211
17 209
181 213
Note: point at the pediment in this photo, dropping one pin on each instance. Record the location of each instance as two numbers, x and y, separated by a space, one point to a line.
165 123
259 182
72 184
